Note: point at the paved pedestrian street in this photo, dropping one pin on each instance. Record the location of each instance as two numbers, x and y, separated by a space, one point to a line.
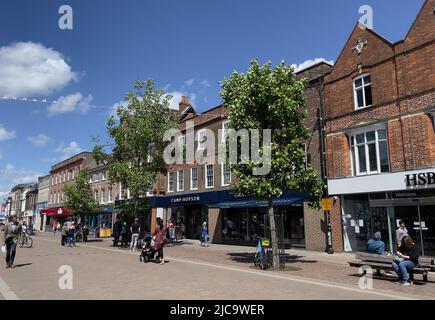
100 271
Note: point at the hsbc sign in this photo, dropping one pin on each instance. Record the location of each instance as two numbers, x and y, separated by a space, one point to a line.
420 179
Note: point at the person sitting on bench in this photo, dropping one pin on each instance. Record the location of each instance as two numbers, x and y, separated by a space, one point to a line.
376 245
406 259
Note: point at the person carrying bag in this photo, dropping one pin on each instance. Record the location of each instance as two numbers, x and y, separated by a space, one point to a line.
12 233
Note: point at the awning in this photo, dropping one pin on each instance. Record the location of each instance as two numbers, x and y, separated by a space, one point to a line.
56 212
282 202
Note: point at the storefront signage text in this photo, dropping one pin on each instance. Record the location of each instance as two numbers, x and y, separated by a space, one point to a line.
420 179
185 199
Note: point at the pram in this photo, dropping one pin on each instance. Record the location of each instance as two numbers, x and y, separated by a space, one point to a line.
148 252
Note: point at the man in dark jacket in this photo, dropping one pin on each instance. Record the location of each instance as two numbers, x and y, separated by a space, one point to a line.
64 234
117 227
12 232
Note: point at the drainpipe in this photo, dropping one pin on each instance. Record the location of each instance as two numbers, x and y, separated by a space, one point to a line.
322 131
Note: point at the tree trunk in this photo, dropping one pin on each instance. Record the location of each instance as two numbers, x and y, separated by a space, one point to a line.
135 208
82 222
273 236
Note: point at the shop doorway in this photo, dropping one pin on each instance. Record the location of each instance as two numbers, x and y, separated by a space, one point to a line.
420 222
190 219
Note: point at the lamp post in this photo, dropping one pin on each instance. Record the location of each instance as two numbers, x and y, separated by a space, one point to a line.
10 206
329 249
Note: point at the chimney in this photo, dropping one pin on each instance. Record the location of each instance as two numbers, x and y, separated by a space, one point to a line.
184 104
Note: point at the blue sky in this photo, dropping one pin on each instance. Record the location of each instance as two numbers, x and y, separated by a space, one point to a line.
187 47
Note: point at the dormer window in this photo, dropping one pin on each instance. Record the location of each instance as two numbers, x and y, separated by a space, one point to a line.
363 91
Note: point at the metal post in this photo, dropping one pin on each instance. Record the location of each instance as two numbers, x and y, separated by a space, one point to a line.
421 231
330 249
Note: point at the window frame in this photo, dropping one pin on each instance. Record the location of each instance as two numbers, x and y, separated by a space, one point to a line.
171 173
363 88
223 184
201 143
205 176
191 180
178 180
354 155
224 136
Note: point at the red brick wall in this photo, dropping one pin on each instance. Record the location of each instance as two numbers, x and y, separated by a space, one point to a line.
403 88
423 27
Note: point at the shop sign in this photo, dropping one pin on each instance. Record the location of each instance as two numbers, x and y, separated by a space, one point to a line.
420 179
185 199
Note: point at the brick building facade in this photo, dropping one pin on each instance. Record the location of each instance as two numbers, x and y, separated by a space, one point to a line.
379 103
61 174
200 192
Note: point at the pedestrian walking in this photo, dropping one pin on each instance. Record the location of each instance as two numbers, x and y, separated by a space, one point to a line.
160 240
64 234
12 232
58 227
204 234
135 231
71 234
117 228
124 234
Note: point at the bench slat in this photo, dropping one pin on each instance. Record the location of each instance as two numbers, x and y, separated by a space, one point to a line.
426 262
382 266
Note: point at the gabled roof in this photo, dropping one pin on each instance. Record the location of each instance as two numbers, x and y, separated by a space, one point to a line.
417 18
374 33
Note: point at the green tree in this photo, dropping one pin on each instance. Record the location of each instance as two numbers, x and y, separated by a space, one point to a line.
137 132
272 98
79 197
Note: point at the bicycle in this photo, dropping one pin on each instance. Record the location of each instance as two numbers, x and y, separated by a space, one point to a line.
26 241
262 254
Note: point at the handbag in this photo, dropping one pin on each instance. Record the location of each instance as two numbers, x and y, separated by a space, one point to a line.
3 248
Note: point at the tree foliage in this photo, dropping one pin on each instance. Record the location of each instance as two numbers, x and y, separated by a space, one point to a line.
272 98
137 132
79 197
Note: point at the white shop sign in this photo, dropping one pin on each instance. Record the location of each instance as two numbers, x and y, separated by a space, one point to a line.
397 181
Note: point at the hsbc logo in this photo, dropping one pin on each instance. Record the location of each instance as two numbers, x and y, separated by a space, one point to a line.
420 179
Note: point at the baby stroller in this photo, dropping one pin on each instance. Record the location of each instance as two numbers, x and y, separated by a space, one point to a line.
148 252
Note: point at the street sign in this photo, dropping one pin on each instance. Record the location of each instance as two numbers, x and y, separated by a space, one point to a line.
327 204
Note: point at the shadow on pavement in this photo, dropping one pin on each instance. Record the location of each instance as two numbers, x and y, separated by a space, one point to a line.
247 257
393 279
22 265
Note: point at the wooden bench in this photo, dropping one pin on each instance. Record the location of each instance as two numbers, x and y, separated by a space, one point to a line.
382 262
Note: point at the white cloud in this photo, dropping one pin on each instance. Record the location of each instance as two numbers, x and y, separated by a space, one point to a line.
189 82
28 68
309 63
68 151
70 103
40 140
6 135
113 111
176 98
205 83
14 176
